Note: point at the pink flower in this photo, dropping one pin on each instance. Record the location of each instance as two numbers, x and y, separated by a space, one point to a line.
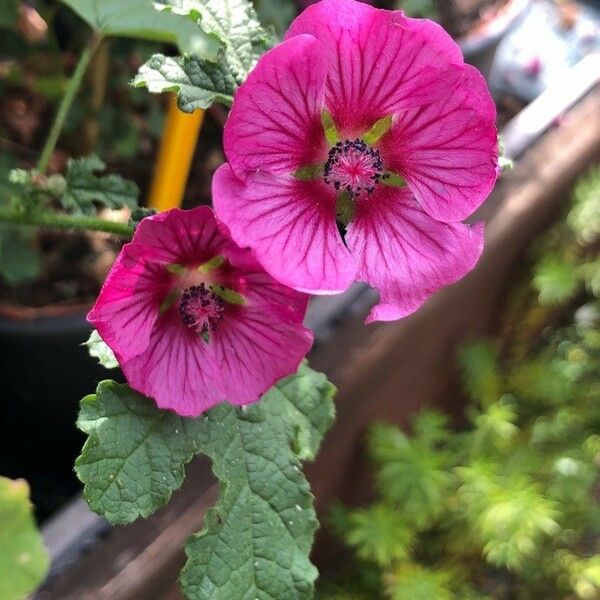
194 320
355 149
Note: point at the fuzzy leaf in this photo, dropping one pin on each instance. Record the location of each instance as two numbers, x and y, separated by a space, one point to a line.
233 23
198 82
23 558
135 454
84 187
257 539
138 19
98 348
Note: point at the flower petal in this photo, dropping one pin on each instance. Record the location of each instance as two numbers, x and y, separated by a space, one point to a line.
380 61
127 306
448 150
260 343
180 237
405 254
178 369
275 122
290 225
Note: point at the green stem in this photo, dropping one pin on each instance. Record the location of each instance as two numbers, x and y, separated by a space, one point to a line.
67 101
45 218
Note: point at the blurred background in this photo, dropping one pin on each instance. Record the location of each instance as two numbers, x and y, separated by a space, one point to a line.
465 460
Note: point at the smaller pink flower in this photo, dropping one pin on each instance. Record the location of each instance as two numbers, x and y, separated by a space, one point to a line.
194 320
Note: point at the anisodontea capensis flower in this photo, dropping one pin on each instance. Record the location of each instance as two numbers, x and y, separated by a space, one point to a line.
356 148
194 320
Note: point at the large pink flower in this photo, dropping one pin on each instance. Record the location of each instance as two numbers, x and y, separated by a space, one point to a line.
194 320
355 150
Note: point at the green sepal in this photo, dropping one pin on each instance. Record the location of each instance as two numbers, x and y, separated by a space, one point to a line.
393 180
331 133
228 295
344 208
378 130
176 269
168 301
309 172
214 263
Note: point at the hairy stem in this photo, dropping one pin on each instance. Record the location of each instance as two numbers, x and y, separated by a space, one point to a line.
67 101
45 218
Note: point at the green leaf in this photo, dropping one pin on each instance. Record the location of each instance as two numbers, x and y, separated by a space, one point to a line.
135 454
413 473
84 187
9 12
198 82
138 19
481 372
257 539
584 217
98 348
556 280
380 533
411 581
23 558
233 23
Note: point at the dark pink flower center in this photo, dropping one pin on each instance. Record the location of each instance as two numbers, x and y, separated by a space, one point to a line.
354 167
201 309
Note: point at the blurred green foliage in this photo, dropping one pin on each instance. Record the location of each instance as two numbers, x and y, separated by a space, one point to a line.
505 508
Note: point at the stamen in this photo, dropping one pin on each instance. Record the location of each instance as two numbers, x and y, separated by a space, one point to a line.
354 167
201 309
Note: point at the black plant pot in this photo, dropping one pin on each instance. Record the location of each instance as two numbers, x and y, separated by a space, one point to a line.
44 372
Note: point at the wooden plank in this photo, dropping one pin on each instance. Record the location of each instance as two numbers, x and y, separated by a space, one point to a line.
384 371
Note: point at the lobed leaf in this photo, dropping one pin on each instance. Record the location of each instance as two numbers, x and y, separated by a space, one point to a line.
23 558
135 454
198 82
201 80
84 187
257 539
138 19
234 23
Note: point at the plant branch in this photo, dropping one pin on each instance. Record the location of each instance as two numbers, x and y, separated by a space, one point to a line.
67 101
45 218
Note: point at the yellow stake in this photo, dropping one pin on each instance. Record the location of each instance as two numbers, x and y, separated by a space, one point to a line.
175 156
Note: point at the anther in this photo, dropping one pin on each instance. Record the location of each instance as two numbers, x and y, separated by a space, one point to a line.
201 309
353 166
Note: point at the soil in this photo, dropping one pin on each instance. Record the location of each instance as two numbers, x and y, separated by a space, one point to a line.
74 266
